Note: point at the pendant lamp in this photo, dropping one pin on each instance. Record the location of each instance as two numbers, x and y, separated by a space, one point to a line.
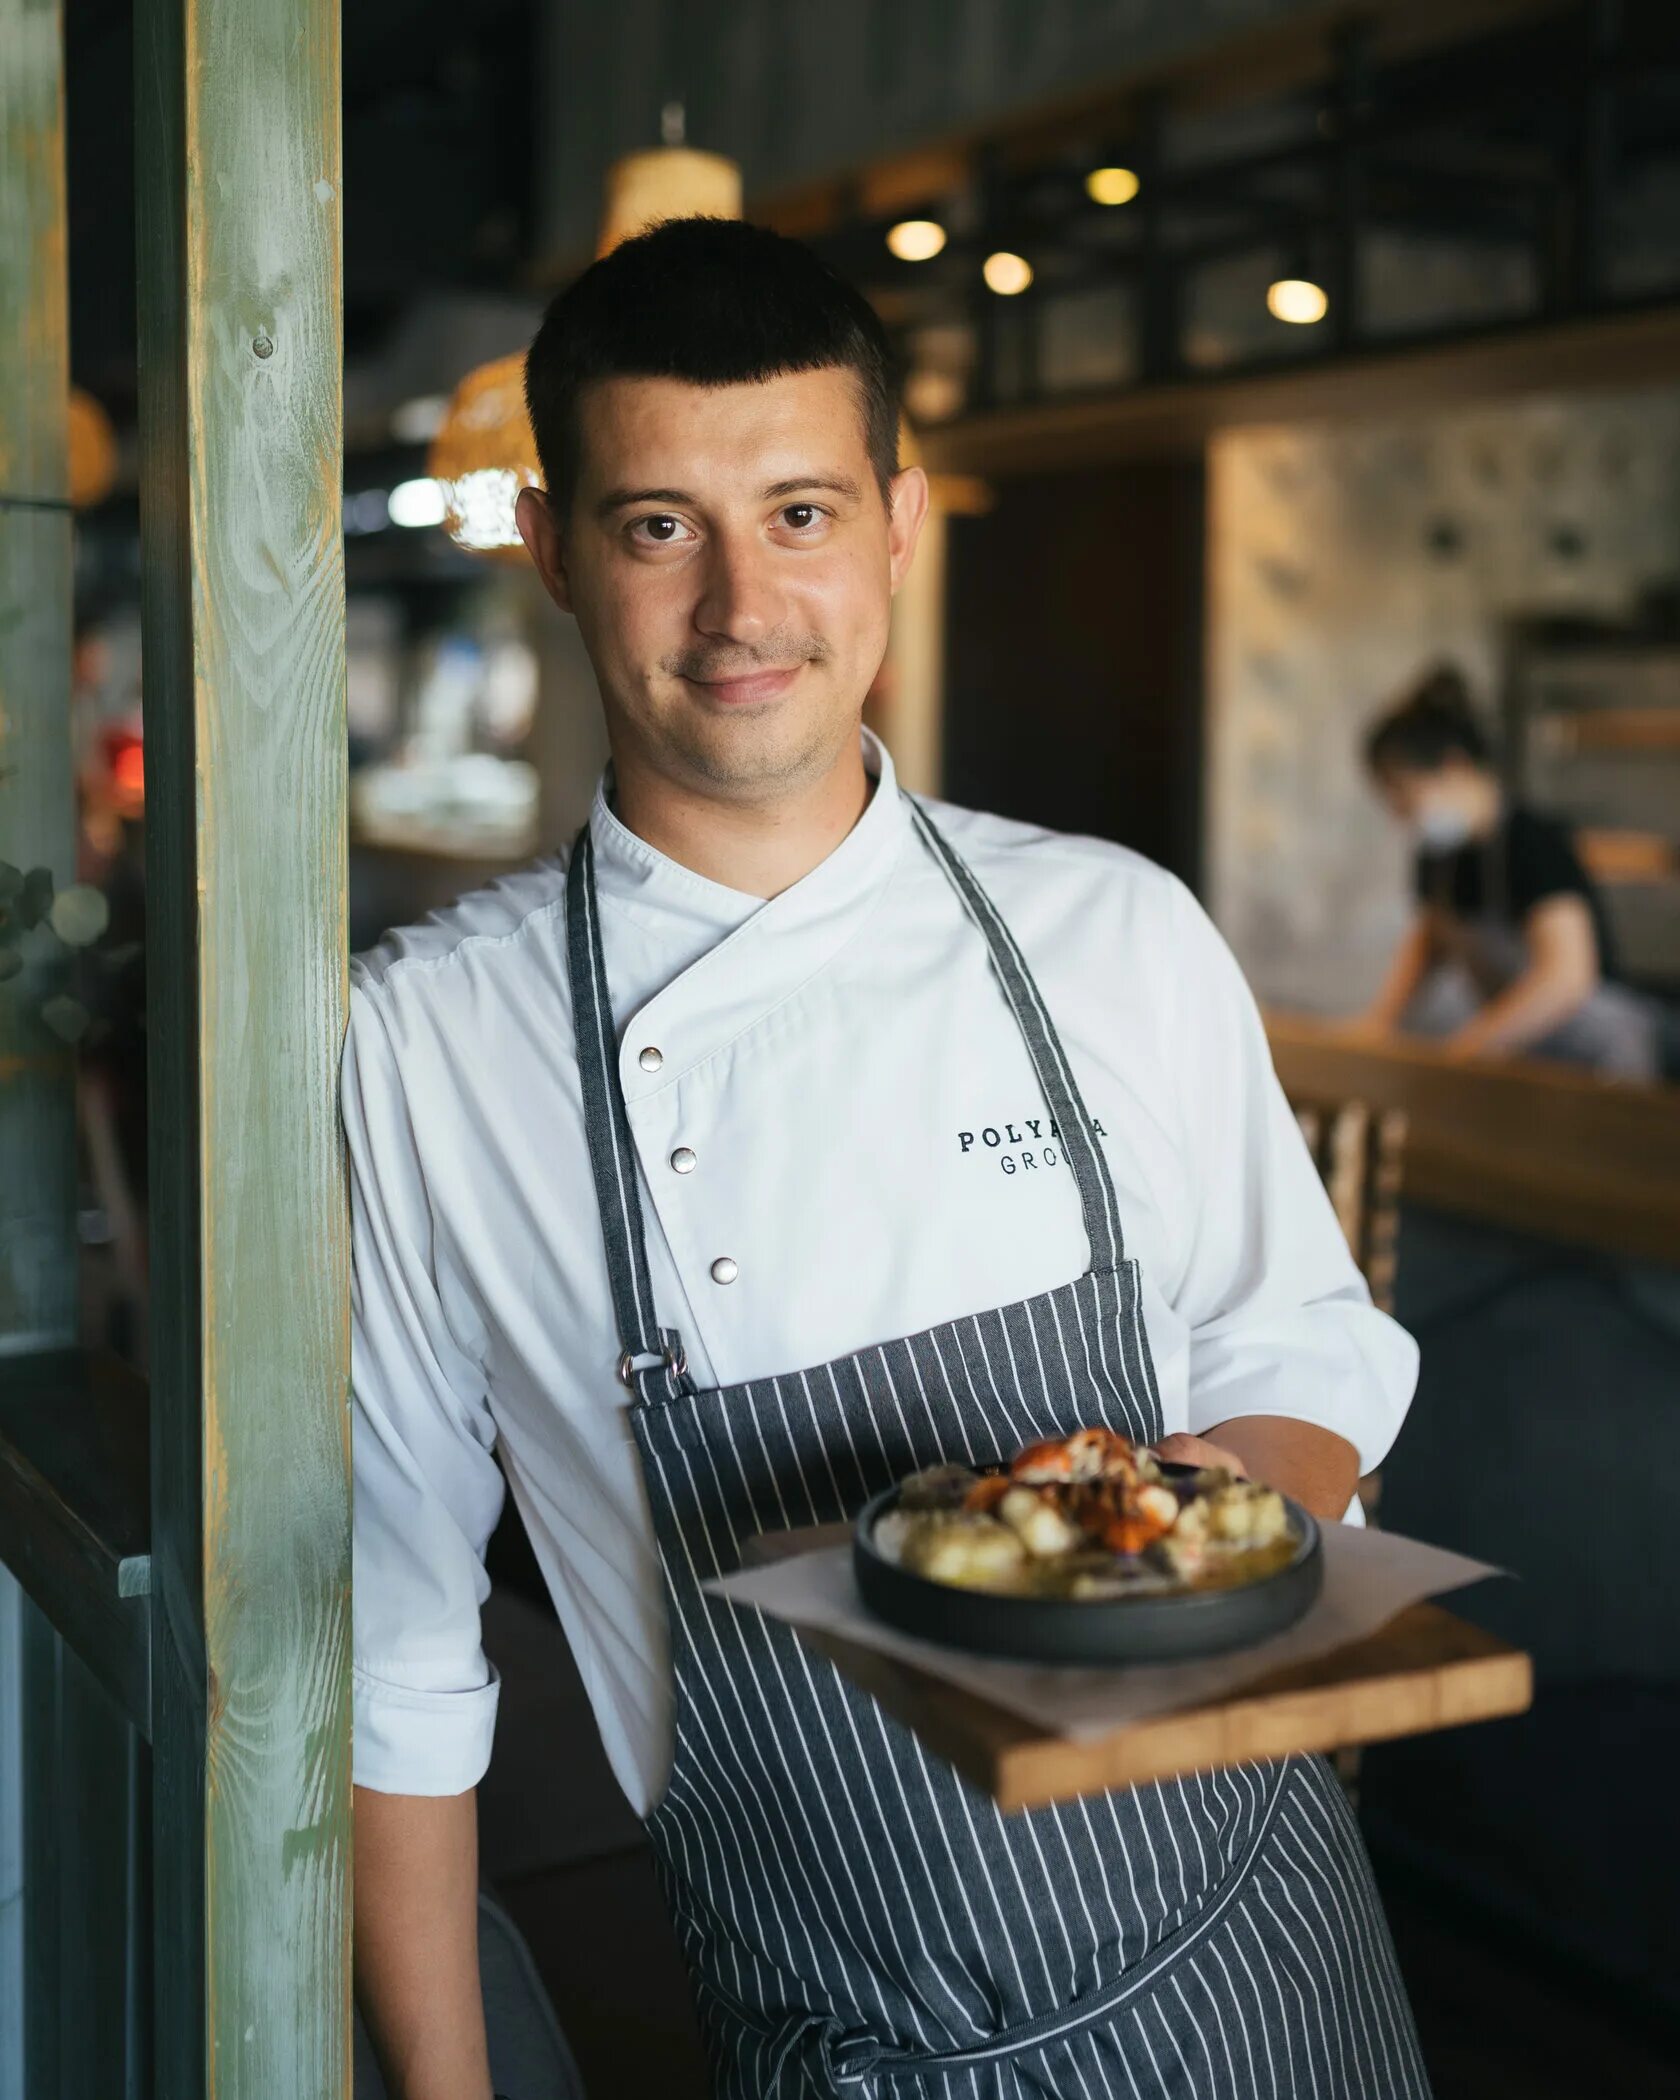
673 181
483 455
93 451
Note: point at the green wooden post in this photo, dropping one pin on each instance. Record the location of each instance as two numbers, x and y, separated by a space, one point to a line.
237 135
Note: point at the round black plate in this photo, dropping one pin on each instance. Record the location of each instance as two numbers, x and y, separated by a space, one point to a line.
1169 1628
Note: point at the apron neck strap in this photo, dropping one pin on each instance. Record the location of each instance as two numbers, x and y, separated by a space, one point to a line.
1050 1061
653 1365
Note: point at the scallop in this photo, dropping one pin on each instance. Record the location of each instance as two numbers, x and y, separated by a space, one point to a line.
1038 1524
889 1534
970 1552
1246 1514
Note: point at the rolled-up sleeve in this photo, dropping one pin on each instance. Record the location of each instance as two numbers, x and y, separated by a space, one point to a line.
1281 1322
428 1490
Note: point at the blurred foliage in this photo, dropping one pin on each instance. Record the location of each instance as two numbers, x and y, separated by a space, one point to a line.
73 921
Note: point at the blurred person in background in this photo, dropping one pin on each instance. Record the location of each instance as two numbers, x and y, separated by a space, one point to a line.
1509 951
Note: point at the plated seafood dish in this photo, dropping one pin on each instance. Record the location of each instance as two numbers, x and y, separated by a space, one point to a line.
1087 1548
1089 1516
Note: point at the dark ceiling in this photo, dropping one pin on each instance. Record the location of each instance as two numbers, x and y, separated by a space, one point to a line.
439 132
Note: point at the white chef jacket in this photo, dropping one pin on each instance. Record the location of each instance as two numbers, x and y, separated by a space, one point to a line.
832 1107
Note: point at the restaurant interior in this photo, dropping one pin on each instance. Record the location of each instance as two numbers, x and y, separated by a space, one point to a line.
1264 359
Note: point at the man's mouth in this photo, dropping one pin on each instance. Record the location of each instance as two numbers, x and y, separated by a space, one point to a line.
749 687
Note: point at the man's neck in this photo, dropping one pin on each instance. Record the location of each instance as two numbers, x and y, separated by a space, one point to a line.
759 848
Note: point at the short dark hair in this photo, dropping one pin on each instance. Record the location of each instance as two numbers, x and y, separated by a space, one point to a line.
716 303
1433 723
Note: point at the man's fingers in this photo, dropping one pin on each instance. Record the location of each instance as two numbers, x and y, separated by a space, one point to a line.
1181 1449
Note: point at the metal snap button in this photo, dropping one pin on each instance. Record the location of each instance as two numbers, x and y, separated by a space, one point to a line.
683 1160
725 1269
651 1059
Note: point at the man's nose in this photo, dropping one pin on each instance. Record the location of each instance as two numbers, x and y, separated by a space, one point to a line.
740 599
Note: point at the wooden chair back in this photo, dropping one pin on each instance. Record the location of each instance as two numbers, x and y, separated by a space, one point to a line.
1360 1153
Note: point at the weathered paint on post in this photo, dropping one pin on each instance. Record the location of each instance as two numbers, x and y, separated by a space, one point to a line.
37 817
237 123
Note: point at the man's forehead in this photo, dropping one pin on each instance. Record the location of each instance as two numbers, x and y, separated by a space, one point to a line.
793 422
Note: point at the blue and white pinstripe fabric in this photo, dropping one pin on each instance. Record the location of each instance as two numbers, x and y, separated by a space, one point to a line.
857 1919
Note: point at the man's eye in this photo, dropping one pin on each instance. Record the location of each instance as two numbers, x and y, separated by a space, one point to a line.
661 531
802 516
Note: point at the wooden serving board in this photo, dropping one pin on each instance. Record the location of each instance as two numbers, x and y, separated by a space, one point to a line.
1424 1670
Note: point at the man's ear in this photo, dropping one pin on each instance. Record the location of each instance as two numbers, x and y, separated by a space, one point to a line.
907 510
533 513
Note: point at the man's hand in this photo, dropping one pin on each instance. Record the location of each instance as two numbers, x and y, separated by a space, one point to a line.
1182 1449
1314 1466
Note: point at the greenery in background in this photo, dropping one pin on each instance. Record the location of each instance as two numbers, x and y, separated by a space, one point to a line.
74 920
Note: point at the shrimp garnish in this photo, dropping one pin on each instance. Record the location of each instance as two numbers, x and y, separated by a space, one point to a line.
1123 1515
987 1492
1089 1454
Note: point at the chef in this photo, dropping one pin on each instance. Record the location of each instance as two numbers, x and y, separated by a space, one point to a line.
786 1134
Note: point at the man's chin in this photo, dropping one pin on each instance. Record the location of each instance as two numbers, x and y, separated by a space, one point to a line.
751 755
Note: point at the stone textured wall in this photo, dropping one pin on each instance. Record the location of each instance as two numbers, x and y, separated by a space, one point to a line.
1342 560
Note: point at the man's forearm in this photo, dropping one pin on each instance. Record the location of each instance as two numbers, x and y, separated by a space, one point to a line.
1527 1010
1405 973
416 1943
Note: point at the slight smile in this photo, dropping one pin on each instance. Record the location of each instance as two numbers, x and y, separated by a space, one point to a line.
742 692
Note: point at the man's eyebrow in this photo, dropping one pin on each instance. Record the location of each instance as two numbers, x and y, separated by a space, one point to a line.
621 499
836 484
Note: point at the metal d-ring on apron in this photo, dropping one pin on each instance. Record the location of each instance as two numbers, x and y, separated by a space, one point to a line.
856 1918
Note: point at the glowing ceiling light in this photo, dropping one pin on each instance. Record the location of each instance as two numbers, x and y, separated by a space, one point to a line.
421 502
483 455
1111 185
916 240
1007 274
1297 299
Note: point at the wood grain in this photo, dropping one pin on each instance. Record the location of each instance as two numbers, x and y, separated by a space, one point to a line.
237 127
1536 1147
1425 1670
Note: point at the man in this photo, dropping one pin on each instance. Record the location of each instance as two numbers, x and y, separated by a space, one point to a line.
856 1133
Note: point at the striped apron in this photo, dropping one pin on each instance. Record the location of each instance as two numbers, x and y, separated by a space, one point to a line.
856 1918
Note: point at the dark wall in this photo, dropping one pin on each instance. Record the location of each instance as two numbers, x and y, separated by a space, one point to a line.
1073 689
1545 1439
802 93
